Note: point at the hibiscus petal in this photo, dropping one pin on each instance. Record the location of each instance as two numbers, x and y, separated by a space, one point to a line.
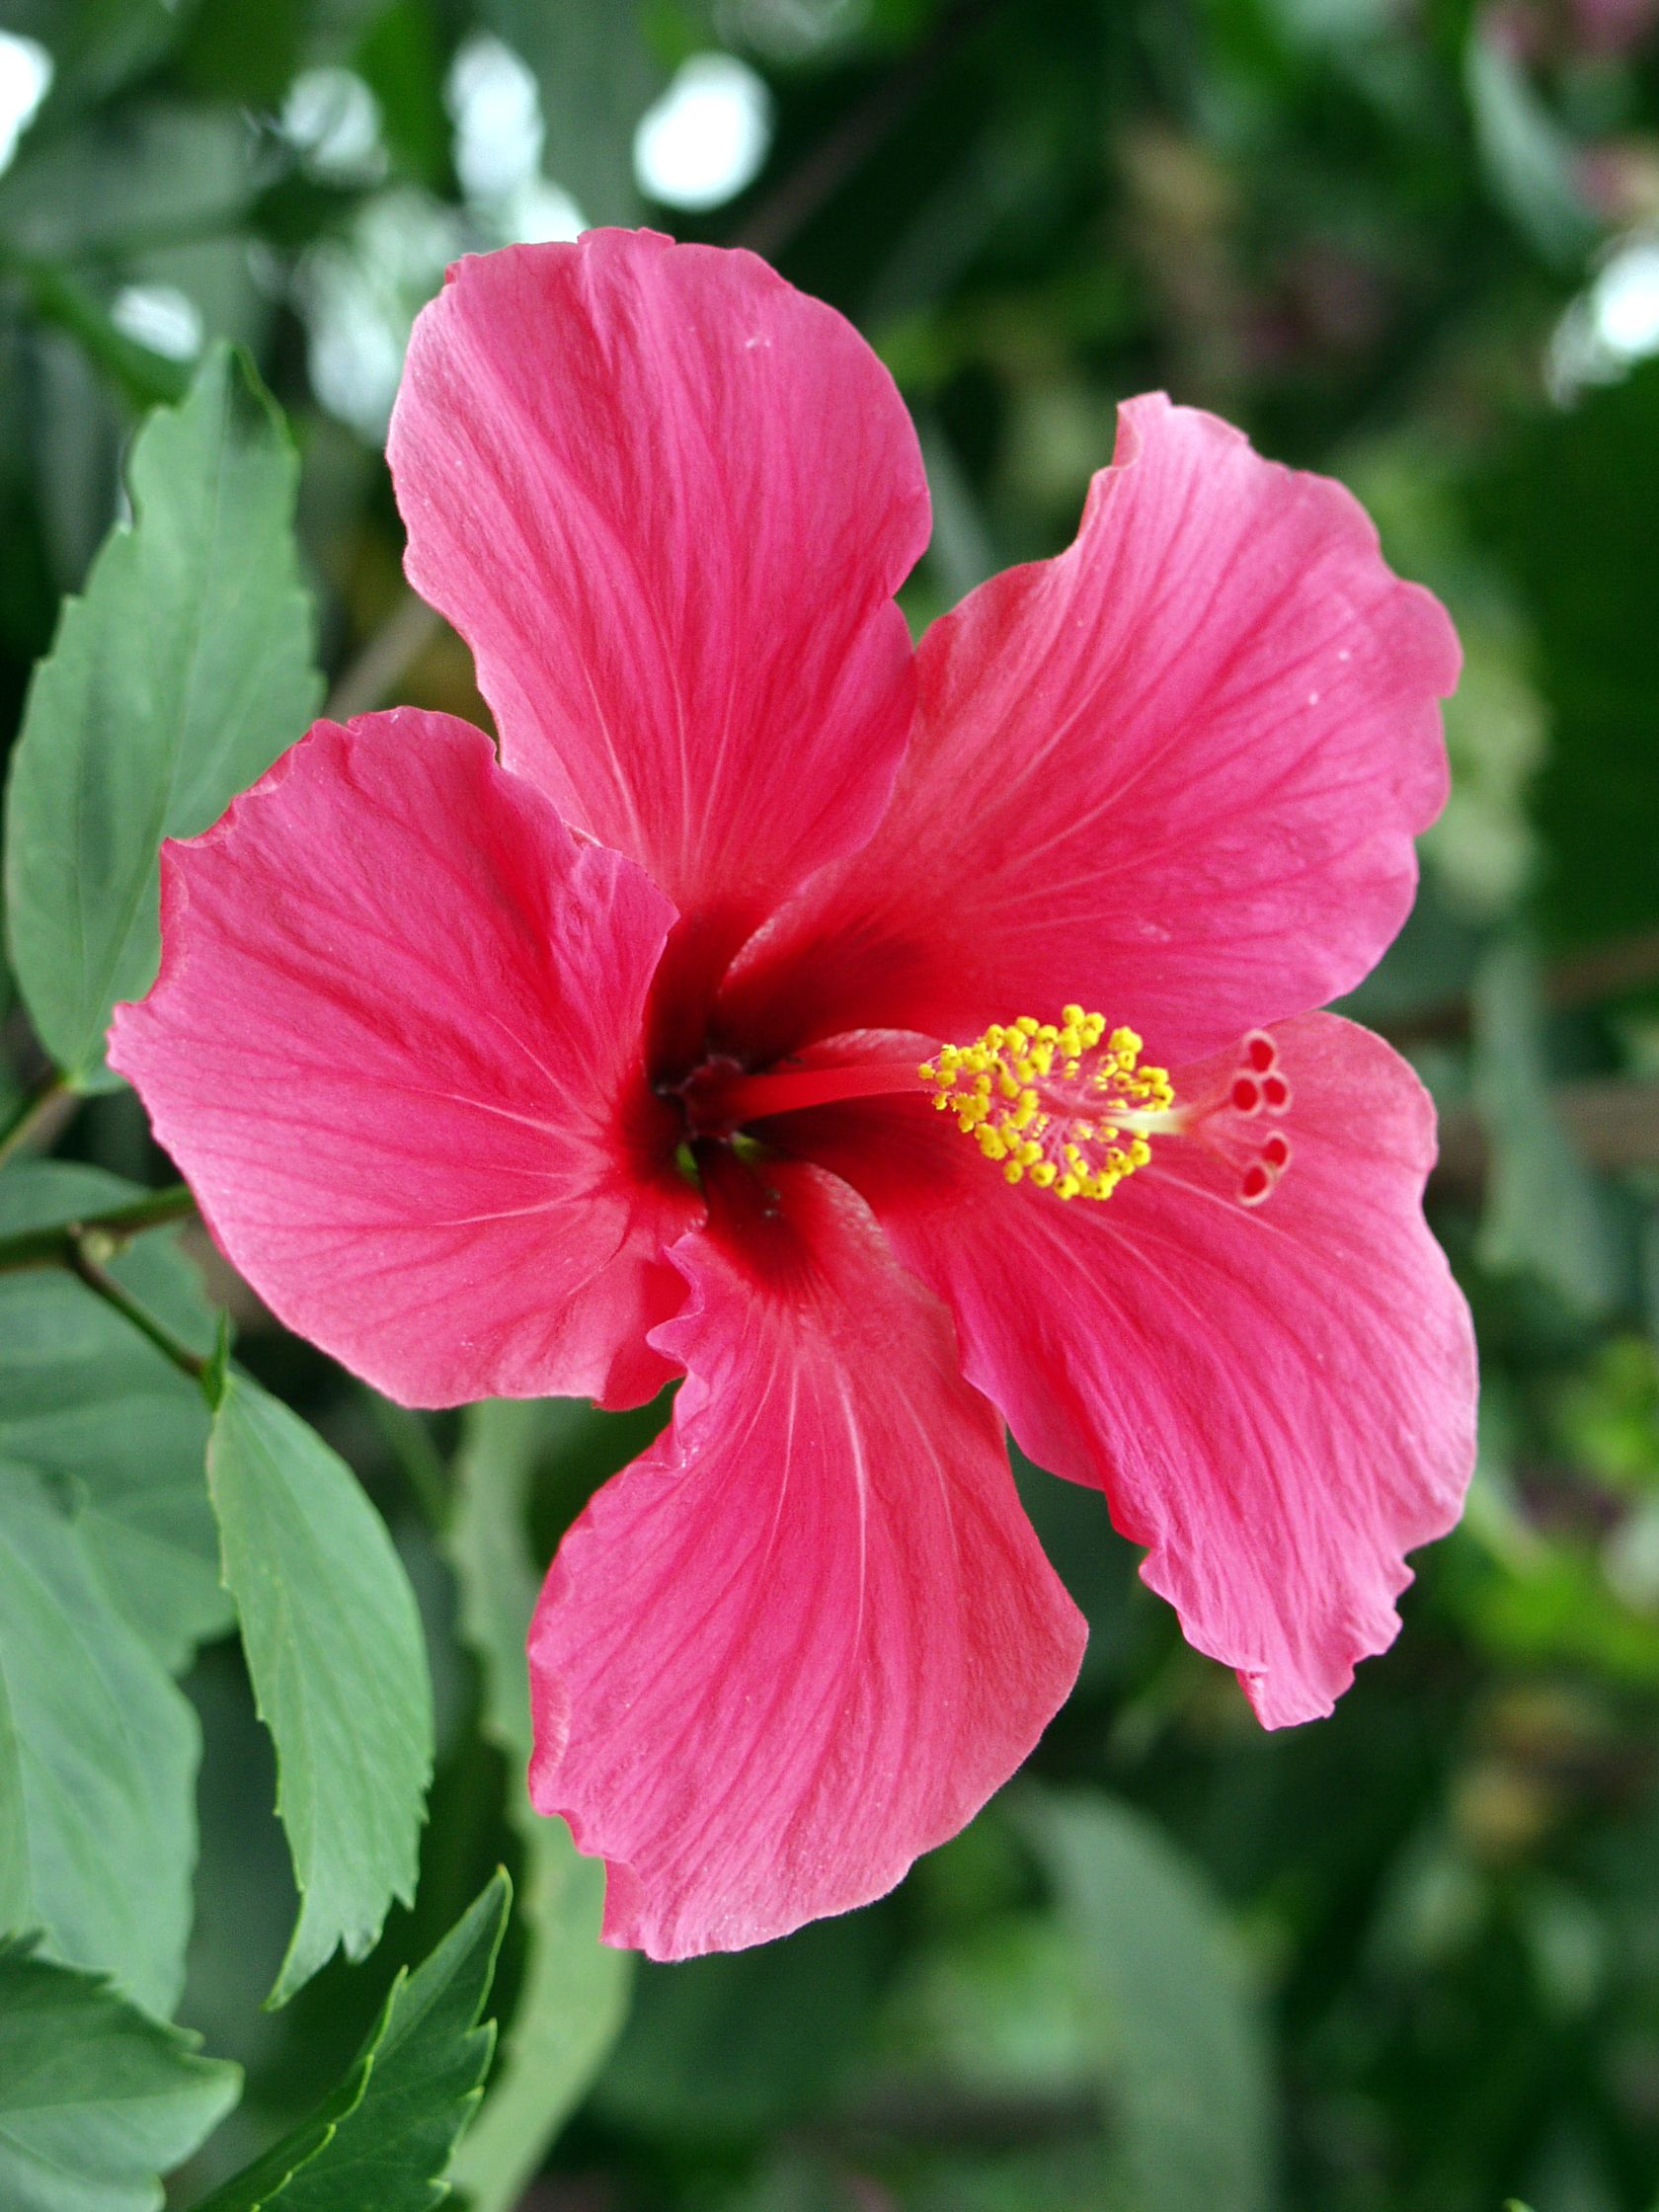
1174 774
1278 1399
808 1634
666 499
395 1047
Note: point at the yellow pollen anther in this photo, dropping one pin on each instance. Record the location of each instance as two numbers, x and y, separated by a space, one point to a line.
1065 1106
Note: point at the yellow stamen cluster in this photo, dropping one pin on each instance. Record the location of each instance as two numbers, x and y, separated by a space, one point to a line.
1063 1104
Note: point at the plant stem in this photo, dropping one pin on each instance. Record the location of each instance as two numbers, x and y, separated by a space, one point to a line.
100 1280
31 1112
100 1235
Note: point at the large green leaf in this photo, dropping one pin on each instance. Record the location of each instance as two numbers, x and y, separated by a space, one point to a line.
85 1396
173 682
97 1756
385 2135
337 1665
574 1990
1183 2053
97 2100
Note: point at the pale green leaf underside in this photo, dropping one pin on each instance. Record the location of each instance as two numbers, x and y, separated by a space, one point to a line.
385 2135
339 1669
173 682
574 1990
98 1759
97 2100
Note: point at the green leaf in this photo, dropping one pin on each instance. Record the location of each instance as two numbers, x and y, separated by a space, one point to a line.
97 46
1529 160
384 2137
145 378
1567 504
1541 1212
49 1194
160 170
400 58
961 552
596 75
243 50
1183 2052
98 1758
574 1991
744 2043
97 2100
339 1669
84 1397
171 684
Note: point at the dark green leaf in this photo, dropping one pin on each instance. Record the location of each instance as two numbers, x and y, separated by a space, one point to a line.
98 1758
339 1669
385 2135
97 2100
173 682
1182 2049
86 1397
574 1990
400 61
243 50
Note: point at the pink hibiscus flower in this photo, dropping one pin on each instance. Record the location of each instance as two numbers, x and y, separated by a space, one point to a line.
620 1058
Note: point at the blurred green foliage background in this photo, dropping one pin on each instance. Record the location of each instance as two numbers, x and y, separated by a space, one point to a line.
1407 1958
